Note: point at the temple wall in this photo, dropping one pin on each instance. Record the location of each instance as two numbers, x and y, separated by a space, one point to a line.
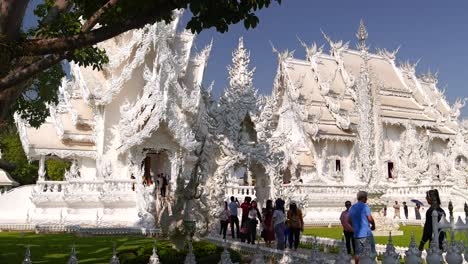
87 168
112 117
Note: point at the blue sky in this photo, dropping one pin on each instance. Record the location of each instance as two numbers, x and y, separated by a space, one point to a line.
434 31
431 30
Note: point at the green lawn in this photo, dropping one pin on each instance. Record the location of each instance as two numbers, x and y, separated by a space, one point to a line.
402 241
55 248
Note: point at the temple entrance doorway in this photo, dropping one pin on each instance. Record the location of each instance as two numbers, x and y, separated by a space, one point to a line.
157 170
261 183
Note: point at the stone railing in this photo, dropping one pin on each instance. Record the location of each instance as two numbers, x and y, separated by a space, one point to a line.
236 191
50 186
87 231
417 190
319 190
113 193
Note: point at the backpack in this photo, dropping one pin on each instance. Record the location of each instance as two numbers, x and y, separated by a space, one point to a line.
295 221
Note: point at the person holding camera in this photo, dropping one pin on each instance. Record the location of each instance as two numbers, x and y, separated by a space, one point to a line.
363 224
234 205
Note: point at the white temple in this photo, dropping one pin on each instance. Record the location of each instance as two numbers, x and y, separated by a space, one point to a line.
334 124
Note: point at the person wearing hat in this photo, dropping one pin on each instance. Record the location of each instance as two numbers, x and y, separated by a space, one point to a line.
295 224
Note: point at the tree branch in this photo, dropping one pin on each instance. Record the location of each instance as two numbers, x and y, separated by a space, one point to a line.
11 17
58 45
19 75
92 21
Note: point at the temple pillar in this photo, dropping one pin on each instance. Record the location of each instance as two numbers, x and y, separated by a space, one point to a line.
41 172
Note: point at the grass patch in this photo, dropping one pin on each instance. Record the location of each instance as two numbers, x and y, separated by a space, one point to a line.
56 248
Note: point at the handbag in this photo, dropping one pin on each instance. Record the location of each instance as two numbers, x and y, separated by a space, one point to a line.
244 230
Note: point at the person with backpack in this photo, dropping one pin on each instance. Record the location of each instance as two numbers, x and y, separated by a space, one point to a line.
295 225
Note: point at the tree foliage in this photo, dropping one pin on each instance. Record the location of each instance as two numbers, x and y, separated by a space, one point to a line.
66 31
27 172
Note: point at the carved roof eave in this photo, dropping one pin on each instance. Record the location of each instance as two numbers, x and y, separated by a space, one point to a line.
433 135
36 153
404 122
335 137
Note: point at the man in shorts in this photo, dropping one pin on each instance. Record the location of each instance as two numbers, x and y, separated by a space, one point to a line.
363 224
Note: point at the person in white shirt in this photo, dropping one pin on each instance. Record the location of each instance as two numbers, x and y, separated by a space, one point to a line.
279 219
233 208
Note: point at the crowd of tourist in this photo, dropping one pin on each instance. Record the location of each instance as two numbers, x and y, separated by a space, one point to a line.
284 227
276 224
358 223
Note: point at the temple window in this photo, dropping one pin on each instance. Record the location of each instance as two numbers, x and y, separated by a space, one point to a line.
390 169
337 165
437 171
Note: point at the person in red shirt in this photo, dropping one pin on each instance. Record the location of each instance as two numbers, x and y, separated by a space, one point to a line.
347 228
245 206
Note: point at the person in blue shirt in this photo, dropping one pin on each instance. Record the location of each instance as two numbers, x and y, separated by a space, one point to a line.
363 224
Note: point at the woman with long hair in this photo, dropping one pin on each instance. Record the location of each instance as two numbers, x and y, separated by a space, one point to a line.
254 218
224 220
433 199
267 214
279 225
295 225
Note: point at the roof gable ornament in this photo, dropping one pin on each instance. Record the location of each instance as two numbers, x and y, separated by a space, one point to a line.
408 66
311 51
429 77
390 55
335 47
362 35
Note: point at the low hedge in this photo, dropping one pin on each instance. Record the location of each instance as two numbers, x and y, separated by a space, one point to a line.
204 252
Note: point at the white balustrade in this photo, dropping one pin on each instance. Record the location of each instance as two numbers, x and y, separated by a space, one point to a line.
236 191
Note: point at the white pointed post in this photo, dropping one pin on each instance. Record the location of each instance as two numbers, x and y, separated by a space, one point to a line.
154 259
343 256
190 258
315 257
73 259
114 259
258 258
27 256
225 256
287 258
455 249
390 256
367 256
413 254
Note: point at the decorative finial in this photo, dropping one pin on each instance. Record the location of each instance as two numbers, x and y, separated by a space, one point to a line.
73 259
114 259
154 259
450 207
27 256
362 35
225 256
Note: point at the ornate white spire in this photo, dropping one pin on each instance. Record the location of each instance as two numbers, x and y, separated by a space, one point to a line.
114 259
362 35
240 77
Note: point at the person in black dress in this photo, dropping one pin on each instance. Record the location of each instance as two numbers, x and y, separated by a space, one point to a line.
433 199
